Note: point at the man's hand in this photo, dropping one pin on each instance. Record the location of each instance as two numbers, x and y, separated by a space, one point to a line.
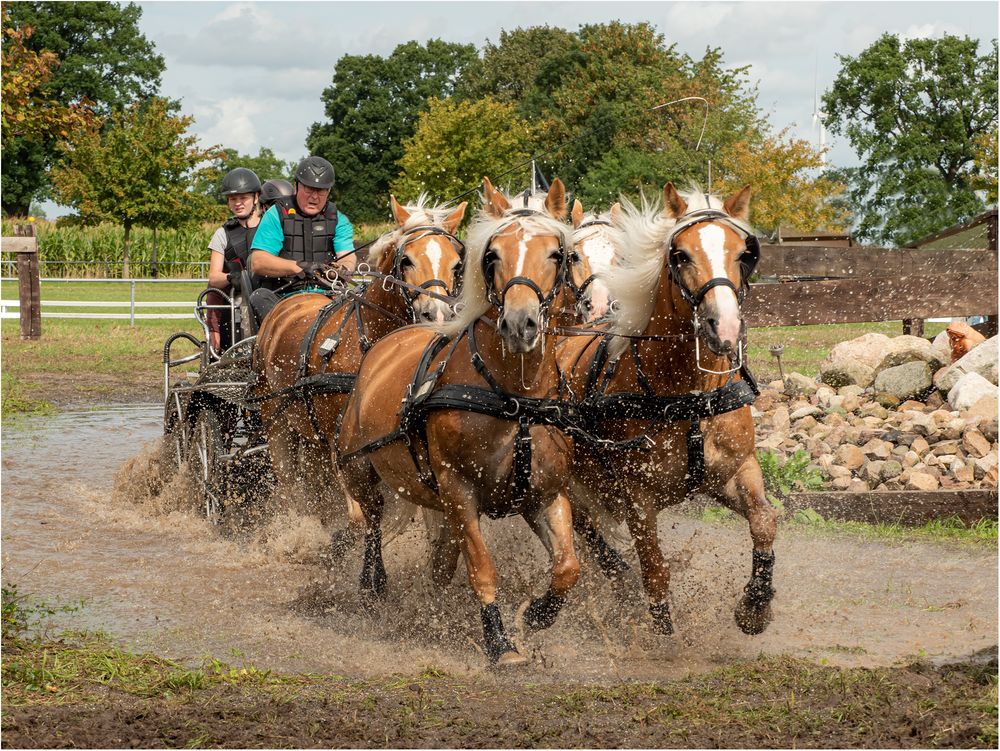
235 278
309 269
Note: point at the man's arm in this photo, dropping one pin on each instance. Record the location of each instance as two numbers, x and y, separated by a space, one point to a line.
343 241
267 242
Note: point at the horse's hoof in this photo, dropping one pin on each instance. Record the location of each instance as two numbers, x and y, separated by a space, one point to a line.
511 659
752 619
542 613
663 624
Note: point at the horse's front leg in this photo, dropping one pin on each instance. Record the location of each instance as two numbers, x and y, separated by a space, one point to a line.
554 526
359 477
462 512
641 519
744 493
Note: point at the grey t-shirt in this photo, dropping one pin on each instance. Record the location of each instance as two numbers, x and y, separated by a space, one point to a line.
218 242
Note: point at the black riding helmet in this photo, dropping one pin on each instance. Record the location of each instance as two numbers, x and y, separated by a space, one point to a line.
240 180
272 190
315 172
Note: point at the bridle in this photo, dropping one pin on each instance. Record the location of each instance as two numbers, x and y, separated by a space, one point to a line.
409 292
748 263
497 298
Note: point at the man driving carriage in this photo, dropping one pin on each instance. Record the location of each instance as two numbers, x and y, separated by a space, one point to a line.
303 234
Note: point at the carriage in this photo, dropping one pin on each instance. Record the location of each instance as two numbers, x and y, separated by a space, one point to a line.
209 420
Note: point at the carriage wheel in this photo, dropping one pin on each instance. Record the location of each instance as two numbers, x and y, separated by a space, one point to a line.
172 451
205 450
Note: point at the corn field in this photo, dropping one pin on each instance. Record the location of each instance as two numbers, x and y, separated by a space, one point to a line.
96 251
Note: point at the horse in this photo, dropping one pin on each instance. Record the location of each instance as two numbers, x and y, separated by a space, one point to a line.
459 417
665 383
593 254
310 346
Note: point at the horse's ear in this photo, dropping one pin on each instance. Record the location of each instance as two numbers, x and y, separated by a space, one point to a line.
738 206
673 205
494 201
398 212
577 213
455 218
555 201
616 213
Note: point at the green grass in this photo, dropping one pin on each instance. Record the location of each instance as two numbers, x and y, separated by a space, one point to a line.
807 346
948 529
14 401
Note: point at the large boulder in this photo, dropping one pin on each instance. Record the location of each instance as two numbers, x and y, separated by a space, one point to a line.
982 359
868 350
904 349
909 381
846 372
969 389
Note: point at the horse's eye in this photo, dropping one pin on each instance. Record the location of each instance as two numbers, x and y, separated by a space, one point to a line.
406 263
556 255
681 258
490 258
574 258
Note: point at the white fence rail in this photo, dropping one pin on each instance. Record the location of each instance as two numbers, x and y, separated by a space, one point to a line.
11 308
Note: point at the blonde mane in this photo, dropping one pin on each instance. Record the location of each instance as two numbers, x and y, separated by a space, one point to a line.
420 215
472 301
642 236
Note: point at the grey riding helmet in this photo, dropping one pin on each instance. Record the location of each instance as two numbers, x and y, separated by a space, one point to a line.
315 172
272 190
240 180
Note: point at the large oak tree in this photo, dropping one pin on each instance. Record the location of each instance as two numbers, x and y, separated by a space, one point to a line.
920 114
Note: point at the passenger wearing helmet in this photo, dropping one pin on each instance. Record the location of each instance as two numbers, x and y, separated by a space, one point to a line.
272 190
230 246
303 233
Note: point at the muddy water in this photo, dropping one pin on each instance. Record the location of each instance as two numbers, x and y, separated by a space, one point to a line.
86 518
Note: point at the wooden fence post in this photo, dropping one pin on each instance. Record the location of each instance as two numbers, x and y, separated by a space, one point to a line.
28 285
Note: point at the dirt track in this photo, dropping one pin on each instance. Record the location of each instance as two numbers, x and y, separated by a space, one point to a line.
850 616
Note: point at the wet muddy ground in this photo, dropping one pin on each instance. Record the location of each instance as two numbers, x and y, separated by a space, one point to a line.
85 519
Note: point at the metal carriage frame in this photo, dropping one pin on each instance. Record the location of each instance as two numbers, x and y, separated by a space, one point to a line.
210 421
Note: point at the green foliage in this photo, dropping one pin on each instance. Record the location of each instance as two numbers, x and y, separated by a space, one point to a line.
372 107
456 143
792 474
916 112
265 165
102 57
15 403
22 613
506 72
137 170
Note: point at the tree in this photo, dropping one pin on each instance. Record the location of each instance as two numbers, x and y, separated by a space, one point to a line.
986 158
137 170
372 106
457 143
915 112
507 71
103 60
786 191
590 96
265 165
26 113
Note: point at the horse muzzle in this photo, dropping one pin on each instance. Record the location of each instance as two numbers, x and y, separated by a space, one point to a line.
521 329
427 310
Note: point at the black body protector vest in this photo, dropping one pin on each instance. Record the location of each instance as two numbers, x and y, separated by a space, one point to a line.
306 238
238 244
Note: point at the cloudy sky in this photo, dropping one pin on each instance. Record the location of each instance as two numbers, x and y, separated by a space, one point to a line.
251 73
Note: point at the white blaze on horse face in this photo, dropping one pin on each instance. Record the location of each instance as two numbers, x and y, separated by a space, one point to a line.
599 251
727 307
434 254
522 251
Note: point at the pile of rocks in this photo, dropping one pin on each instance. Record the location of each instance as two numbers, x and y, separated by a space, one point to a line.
890 414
